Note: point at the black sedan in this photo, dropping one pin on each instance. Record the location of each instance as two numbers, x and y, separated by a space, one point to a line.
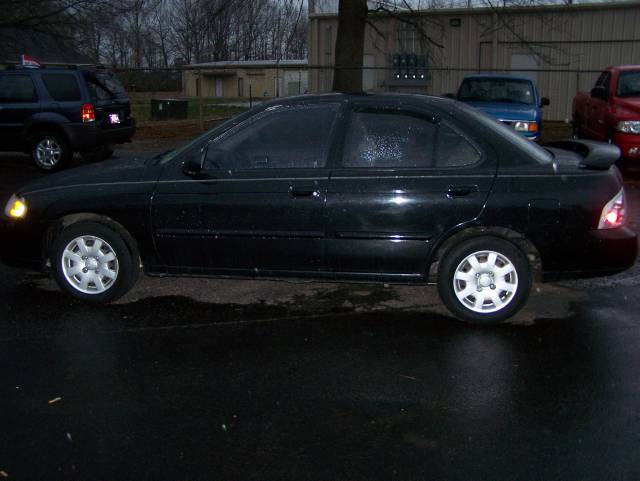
387 188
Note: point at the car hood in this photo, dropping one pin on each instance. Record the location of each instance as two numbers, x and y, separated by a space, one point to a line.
506 110
630 104
105 173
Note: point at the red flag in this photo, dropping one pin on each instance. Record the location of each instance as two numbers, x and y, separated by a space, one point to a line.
29 61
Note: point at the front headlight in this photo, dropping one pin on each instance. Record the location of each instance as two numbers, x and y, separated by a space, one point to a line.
629 126
16 208
523 126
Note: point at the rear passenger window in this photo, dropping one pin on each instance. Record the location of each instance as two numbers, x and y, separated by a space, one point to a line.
62 87
17 89
392 139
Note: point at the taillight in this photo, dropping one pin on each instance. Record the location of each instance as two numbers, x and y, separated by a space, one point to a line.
88 113
614 213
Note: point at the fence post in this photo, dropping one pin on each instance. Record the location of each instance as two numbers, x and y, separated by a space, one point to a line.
200 101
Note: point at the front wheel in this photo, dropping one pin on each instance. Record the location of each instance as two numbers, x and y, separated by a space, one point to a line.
485 280
92 262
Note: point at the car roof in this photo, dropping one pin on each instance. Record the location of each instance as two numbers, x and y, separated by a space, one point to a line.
382 96
624 68
497 77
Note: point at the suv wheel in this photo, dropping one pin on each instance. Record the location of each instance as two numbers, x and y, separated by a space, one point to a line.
92 262
50 151
484 280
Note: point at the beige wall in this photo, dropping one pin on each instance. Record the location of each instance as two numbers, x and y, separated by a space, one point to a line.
261 80
564 39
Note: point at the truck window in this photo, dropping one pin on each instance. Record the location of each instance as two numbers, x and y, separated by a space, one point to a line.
496 90
629 84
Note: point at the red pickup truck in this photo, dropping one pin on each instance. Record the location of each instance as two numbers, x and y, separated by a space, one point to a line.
611 111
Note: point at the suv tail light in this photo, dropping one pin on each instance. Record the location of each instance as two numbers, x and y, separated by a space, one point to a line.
88 113
614 213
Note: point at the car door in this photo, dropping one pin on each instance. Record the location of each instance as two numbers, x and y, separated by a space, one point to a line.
18 102
258 203
405 178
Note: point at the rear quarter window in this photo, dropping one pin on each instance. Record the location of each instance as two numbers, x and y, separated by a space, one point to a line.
62 87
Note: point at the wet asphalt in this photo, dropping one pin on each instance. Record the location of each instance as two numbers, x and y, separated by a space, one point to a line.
194 379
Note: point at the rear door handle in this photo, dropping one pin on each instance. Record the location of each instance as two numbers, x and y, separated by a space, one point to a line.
461 190
302 192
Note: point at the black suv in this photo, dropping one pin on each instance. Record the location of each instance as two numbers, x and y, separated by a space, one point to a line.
54 112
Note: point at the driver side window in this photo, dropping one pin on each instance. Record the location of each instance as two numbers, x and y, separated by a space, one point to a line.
289 137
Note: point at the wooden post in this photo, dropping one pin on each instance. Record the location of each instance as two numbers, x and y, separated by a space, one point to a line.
200 101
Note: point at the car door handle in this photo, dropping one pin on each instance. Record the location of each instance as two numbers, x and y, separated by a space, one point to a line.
461 190
294 192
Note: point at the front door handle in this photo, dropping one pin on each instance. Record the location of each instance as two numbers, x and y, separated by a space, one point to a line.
461 190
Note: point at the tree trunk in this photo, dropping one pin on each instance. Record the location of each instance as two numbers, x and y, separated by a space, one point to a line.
352 18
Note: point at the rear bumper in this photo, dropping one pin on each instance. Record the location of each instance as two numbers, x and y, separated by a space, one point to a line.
597 253
629 145
89 136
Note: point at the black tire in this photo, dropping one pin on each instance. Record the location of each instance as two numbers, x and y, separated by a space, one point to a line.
126 265
99 154
512 302
50 150
577 129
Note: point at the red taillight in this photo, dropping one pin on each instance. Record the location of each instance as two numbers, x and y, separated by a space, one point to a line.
613 214
88 113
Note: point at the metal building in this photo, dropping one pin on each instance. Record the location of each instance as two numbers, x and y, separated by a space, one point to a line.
561 47
244 78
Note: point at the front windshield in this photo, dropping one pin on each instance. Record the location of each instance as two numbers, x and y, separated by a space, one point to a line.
629 84
496 90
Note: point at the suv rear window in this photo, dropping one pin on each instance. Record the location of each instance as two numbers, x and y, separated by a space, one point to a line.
62 87
17 89
104 85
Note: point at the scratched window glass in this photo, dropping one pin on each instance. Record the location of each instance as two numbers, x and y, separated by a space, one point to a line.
389 139
285 138
397 140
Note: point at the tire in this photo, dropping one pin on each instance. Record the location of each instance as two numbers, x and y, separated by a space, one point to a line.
577 130
504 287
50 151
101 153
94 275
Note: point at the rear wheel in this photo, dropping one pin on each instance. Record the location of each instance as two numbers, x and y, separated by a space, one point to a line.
577 129
484 280
50 151
92 262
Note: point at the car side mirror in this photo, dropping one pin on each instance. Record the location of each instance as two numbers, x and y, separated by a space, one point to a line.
450 95
599 93
192 168
544 101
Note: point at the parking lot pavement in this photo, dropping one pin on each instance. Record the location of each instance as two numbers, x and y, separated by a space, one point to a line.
236 379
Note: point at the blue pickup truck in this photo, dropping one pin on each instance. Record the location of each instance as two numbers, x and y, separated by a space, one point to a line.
512 100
